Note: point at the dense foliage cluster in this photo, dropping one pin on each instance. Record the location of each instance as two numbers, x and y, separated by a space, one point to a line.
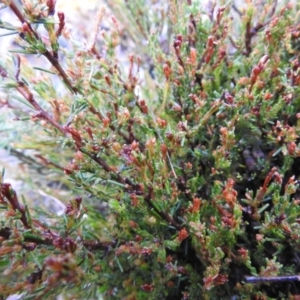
182 160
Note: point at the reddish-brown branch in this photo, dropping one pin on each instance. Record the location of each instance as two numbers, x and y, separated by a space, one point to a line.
55 63
126 181
250 32
47 162
3 73
41 113
46 236
165 216
61 17
11 196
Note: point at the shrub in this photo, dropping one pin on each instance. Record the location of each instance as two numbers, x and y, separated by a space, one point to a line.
193 146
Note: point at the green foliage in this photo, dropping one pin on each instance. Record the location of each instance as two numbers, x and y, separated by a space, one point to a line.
182 163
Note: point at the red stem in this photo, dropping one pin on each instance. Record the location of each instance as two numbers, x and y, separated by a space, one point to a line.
47 54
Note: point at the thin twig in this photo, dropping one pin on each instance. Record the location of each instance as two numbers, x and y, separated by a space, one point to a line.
235 8
11 196
273 10
18 66
41 113
23 89
47 236
250 32
99 17
163 215
55 63
108 169
3 72
271 279
47 162
233 42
